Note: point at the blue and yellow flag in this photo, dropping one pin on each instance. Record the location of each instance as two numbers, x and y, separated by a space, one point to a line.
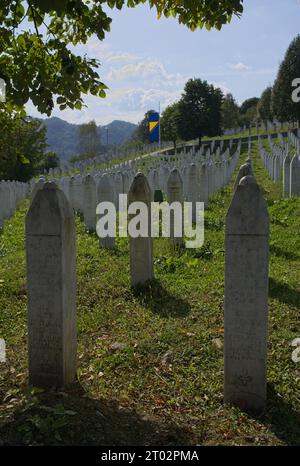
154 127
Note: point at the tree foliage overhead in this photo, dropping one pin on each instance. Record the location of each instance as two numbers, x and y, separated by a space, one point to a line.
284 108
36 60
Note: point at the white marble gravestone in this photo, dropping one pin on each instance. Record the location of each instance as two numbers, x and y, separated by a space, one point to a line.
175 194
106 193
295 176
246 297
89 203
51 286
286 175
245 170
193 188
141 248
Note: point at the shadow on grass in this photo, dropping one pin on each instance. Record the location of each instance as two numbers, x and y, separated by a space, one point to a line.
282 420
284 293
72 417
155 297
276 251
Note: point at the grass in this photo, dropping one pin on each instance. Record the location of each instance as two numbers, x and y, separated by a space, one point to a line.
151 362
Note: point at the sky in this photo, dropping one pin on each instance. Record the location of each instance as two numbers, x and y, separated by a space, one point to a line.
145 62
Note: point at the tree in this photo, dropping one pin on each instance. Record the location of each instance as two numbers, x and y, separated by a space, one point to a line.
199 110
230 112
264 106
36 59
247 104
169 123
141 133
284 107
51 160
23 145
89 140
248 111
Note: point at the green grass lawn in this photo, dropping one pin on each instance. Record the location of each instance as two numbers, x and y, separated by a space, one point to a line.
151 364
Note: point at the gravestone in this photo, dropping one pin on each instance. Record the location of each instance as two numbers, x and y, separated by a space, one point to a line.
245 170
38 185
203 185
89 203
286 175
72 188
295 176
106 193
175 194
246 297
141 248
51 286
78 194
118 188
192 188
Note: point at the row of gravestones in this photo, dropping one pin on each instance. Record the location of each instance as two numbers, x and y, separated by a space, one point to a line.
281 166
199 178
50 250
113 154
154 149
267 126
11 194
295 139
273 161
291 177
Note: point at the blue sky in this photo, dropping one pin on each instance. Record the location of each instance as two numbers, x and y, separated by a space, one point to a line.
145 61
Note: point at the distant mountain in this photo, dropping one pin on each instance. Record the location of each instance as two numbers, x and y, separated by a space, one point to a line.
117 131
62 137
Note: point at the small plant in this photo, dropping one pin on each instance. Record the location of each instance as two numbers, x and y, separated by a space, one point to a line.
205 252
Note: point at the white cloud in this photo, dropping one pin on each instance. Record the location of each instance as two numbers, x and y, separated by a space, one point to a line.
222 86
143 69
103 52
119 56
148 68
140 98
240 66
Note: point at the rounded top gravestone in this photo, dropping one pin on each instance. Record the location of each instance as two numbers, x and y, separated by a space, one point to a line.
140 189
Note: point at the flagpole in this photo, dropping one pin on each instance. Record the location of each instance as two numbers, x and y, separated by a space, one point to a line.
159 124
